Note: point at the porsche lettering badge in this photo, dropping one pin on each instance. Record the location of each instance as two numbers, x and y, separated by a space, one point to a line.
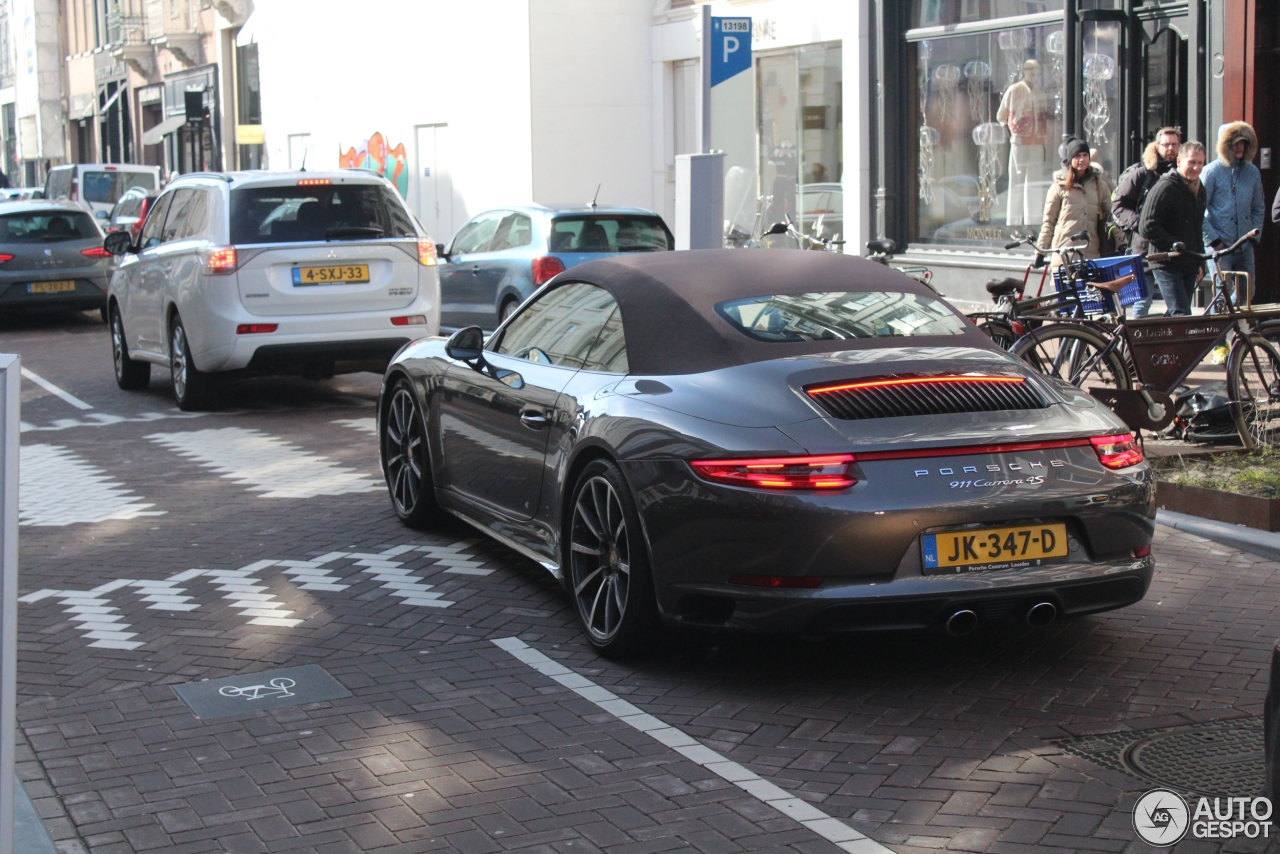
1028 474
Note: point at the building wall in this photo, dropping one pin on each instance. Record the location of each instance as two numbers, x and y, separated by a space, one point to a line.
590 93
432 62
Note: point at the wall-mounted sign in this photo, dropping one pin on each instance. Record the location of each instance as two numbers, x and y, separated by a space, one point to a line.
114 71
250 135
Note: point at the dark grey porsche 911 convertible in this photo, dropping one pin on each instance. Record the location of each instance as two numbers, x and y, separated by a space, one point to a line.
787 441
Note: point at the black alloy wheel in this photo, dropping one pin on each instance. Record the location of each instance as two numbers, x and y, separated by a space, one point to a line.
131 374
191 387
406 463
608 564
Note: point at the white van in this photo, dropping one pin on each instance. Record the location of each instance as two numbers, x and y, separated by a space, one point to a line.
98 186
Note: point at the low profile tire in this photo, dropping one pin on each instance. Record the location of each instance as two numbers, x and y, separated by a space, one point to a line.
509 306
104 314
131 375
192 388
406 461
608 564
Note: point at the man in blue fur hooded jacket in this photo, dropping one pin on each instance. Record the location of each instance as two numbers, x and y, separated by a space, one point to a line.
1233 188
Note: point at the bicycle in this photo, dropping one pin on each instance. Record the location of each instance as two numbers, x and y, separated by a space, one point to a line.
1162 352
881 251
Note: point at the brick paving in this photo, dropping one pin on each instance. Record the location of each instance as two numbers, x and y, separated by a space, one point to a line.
448 743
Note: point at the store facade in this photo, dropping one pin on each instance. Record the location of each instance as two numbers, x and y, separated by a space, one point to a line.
975 96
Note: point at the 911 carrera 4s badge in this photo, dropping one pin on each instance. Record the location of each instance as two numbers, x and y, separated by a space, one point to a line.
950 552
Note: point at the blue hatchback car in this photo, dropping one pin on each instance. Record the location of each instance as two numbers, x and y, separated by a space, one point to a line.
500 257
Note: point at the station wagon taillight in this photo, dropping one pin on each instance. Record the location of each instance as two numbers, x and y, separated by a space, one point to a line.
426 253
827 472
95 252
546 267
1118 451
219 262
5 256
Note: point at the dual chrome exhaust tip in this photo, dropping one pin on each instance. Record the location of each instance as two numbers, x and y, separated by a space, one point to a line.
964 621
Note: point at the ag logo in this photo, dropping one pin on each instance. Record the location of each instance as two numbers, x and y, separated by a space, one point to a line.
1161 817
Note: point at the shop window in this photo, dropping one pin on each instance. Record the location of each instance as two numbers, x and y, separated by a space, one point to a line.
986 122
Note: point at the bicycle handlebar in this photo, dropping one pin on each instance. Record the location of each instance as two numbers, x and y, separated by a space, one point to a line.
1203 256
1060 250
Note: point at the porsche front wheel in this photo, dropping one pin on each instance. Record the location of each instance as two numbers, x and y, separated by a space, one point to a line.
608 564
405 460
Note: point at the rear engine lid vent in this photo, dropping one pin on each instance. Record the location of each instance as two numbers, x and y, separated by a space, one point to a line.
924 394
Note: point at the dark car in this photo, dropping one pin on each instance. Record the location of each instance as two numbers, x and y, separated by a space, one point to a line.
51 256
129 213
789 441
1271 722
500 257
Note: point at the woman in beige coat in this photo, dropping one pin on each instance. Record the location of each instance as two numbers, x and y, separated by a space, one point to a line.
1079 200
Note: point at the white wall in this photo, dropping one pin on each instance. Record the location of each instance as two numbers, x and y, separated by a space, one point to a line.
591 91
341 76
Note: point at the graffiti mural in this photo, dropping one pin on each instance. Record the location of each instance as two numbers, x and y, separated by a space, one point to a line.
377 154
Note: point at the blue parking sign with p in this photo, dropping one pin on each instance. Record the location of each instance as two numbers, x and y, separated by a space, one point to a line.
730 48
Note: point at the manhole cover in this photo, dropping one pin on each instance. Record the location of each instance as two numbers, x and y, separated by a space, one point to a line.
1222 758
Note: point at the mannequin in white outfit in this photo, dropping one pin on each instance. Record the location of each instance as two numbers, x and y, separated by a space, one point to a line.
1020 111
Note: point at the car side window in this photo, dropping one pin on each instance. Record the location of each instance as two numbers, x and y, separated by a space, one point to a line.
197 215
155 222
561 327
514 231
609 354
179 212
475 235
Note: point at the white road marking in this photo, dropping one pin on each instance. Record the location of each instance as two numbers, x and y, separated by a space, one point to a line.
451 557
364 425
103 419
54 390
265 463
831 829
243 588
57 487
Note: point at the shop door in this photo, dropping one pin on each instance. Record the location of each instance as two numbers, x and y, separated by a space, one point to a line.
1165 87
434 197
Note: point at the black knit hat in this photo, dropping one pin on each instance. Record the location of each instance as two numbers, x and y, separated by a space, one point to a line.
1070 147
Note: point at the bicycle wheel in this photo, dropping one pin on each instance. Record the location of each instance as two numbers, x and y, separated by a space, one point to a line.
1253 387
1074 354
999 331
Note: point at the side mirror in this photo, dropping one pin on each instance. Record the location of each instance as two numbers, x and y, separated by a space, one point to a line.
118 243
777 228
440 250
466 345
102 215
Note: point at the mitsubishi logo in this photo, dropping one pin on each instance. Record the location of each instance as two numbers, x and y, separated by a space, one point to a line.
331 254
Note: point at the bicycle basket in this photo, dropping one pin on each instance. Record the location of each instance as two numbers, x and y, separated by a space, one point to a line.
1094 301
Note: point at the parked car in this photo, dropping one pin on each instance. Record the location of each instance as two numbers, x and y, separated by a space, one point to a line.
311 273
130 211
1271 731
21 194
97 186
798 442
500 257
51 256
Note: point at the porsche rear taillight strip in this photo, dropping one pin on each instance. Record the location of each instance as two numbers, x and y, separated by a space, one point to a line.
903 381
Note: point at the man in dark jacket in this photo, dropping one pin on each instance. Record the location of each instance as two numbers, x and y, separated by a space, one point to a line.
1131 193
1174 213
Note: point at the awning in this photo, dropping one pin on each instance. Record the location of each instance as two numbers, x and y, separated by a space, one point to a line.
156 135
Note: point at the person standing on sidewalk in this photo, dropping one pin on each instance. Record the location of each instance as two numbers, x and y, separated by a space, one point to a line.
1234 205
1079 200
1136 182
1174 213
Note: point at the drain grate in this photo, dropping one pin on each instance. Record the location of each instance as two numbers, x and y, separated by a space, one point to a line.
1219 758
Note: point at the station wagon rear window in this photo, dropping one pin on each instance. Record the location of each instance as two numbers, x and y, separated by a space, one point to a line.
108 187
609 233
835 316
47 227
306 214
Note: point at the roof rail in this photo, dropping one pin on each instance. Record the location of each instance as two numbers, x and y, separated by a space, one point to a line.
221 175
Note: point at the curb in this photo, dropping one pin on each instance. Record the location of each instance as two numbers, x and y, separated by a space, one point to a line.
1261 543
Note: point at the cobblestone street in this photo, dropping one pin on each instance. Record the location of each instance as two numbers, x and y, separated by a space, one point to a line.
161 548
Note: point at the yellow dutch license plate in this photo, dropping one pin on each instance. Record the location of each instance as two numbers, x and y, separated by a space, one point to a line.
332 274
50 287
951 552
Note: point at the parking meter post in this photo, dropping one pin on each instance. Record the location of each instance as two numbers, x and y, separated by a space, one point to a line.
704 130
700 201
10 399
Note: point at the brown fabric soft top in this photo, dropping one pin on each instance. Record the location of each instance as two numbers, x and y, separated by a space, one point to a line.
668 301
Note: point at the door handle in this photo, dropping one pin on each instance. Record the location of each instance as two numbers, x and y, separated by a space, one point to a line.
475 271
533 420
